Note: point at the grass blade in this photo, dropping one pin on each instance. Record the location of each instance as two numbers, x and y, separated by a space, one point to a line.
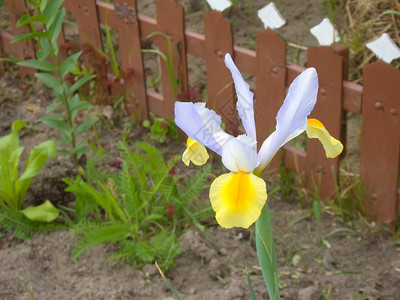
167 282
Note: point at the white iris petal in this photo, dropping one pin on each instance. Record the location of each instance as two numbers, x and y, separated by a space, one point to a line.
191 122
239 157
244 103
291 119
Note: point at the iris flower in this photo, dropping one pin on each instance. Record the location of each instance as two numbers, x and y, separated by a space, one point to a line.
238 197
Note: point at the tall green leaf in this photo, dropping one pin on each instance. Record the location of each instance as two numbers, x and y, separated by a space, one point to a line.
266 253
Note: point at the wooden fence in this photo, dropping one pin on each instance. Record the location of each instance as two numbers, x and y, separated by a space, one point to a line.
378 100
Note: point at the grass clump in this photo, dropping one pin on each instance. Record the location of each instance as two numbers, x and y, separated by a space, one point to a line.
141 208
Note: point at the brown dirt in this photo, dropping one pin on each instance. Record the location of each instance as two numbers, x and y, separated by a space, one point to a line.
360 262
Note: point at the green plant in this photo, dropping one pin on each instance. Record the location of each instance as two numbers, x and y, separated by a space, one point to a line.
52 73
12 187
141 207
349 196
175 80
161 128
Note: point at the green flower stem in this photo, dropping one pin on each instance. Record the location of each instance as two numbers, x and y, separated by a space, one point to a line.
266 250
266 253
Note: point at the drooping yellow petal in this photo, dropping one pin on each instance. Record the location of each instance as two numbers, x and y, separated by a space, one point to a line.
315 129
195 153
237 199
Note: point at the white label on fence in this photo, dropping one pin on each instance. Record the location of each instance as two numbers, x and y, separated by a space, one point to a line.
384 48
271 17
325 33
219 5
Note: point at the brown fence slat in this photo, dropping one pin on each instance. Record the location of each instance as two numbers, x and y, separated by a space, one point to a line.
270 84
131 58
329 111
220 88
2 69
171 20
380 140
24 49
87 20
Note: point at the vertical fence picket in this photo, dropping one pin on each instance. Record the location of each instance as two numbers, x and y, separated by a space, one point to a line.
270 83
380 140
329 111
90 37
131 58
171 21
24 49
220 88
88 23
2 69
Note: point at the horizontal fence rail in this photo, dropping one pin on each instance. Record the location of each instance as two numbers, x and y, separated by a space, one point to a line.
377 101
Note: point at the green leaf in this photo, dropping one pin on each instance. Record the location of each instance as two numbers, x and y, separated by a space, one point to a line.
53 106
42 54
49 80
45 44
69 63
51 10
55 28
317 211
37 158
387 12
30 35
79 107
81 149
54 123
84 126
143 252
266 253
18 125
27 20
38 64
43 4
45 212
111 234
79 83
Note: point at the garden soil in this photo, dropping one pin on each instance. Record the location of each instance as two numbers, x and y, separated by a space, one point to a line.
360 261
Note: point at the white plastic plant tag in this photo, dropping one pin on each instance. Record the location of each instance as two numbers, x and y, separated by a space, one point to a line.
219 5
384 48
325 33
271 17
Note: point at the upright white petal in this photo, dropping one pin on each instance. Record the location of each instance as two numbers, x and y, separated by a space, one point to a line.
244 105
384 48
325 33
291 119
239 157
219 5
201 124
271 17
266 154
